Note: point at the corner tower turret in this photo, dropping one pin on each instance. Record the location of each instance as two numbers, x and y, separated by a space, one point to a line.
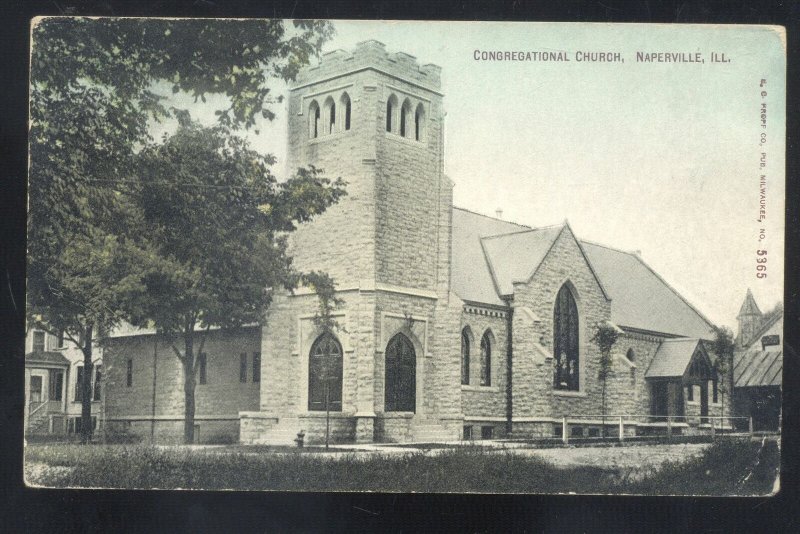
374 119
749 318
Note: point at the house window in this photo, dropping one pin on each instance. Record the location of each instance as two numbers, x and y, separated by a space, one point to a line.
487 432
129 374
243 367
690 393
97 377
631 355
467 432
56 384
401 375
201 363
486 360
565 341
313 119
346 106
79 384
715 389
419 123
60 339
465 357
256 367
325 374
391 107
38 341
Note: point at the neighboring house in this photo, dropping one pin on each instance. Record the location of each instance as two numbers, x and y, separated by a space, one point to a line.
758 367
453 324
53 369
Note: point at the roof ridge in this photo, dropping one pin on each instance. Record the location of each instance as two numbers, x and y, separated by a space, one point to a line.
609 247
525 231
493 218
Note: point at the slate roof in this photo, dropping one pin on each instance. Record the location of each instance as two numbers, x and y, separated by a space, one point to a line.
672 358
490 254
749 306
515 257
47 357
640 298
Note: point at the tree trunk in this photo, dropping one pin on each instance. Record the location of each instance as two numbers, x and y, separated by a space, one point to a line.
188 387
86 387
327 414
603 401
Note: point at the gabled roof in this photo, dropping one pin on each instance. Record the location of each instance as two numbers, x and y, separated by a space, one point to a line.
749 306
471 278
673 358
489 254
640 298
769 323
515 257
47 358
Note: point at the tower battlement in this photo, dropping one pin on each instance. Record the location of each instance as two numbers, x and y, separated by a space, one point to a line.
372 54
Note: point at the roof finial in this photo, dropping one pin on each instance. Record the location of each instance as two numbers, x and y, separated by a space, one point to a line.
499 213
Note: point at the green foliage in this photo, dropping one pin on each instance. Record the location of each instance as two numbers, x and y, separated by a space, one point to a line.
721 470
605 337
723 346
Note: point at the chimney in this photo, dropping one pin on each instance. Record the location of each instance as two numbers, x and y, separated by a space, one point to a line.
499 213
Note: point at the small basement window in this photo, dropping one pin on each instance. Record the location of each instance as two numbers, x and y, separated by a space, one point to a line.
487 432
467 432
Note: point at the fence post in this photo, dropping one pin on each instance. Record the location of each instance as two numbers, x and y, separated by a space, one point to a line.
750 426
669 427
713 433
621 429
564 434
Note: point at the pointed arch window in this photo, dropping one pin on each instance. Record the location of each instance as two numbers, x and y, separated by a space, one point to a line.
465 357
401 375
391 109
565 342
325 374
486 360
313 120
405 118
330 115
419 123
346 108
631 355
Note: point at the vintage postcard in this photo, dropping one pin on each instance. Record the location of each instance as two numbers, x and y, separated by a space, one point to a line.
339 255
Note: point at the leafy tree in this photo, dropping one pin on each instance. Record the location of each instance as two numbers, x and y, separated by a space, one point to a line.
95 85
213 234
605 337
723 346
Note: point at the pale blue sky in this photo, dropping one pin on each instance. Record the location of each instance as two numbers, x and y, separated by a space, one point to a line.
662 158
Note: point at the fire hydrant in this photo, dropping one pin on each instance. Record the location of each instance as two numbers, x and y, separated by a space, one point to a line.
300 439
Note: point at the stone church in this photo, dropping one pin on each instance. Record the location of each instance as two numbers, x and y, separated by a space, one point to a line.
453 324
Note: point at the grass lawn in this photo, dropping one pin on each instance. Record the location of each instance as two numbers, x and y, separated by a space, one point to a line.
728 467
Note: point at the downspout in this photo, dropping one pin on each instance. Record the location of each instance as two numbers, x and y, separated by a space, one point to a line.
153 403
509 365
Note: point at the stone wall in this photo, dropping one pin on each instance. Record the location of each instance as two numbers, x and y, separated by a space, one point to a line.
477 400
218 402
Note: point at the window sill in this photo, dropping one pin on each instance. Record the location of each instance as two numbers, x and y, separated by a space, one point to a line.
567 393
325 137
693 403
482 389
398 415
406 140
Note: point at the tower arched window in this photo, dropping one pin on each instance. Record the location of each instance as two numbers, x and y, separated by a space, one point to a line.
391 109
313 120
465 346
346 110
330 115
565 342
419 123
405 118
325 374
401 375
631 355
486 360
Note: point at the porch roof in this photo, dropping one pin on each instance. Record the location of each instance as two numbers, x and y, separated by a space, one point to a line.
46 357
672 358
